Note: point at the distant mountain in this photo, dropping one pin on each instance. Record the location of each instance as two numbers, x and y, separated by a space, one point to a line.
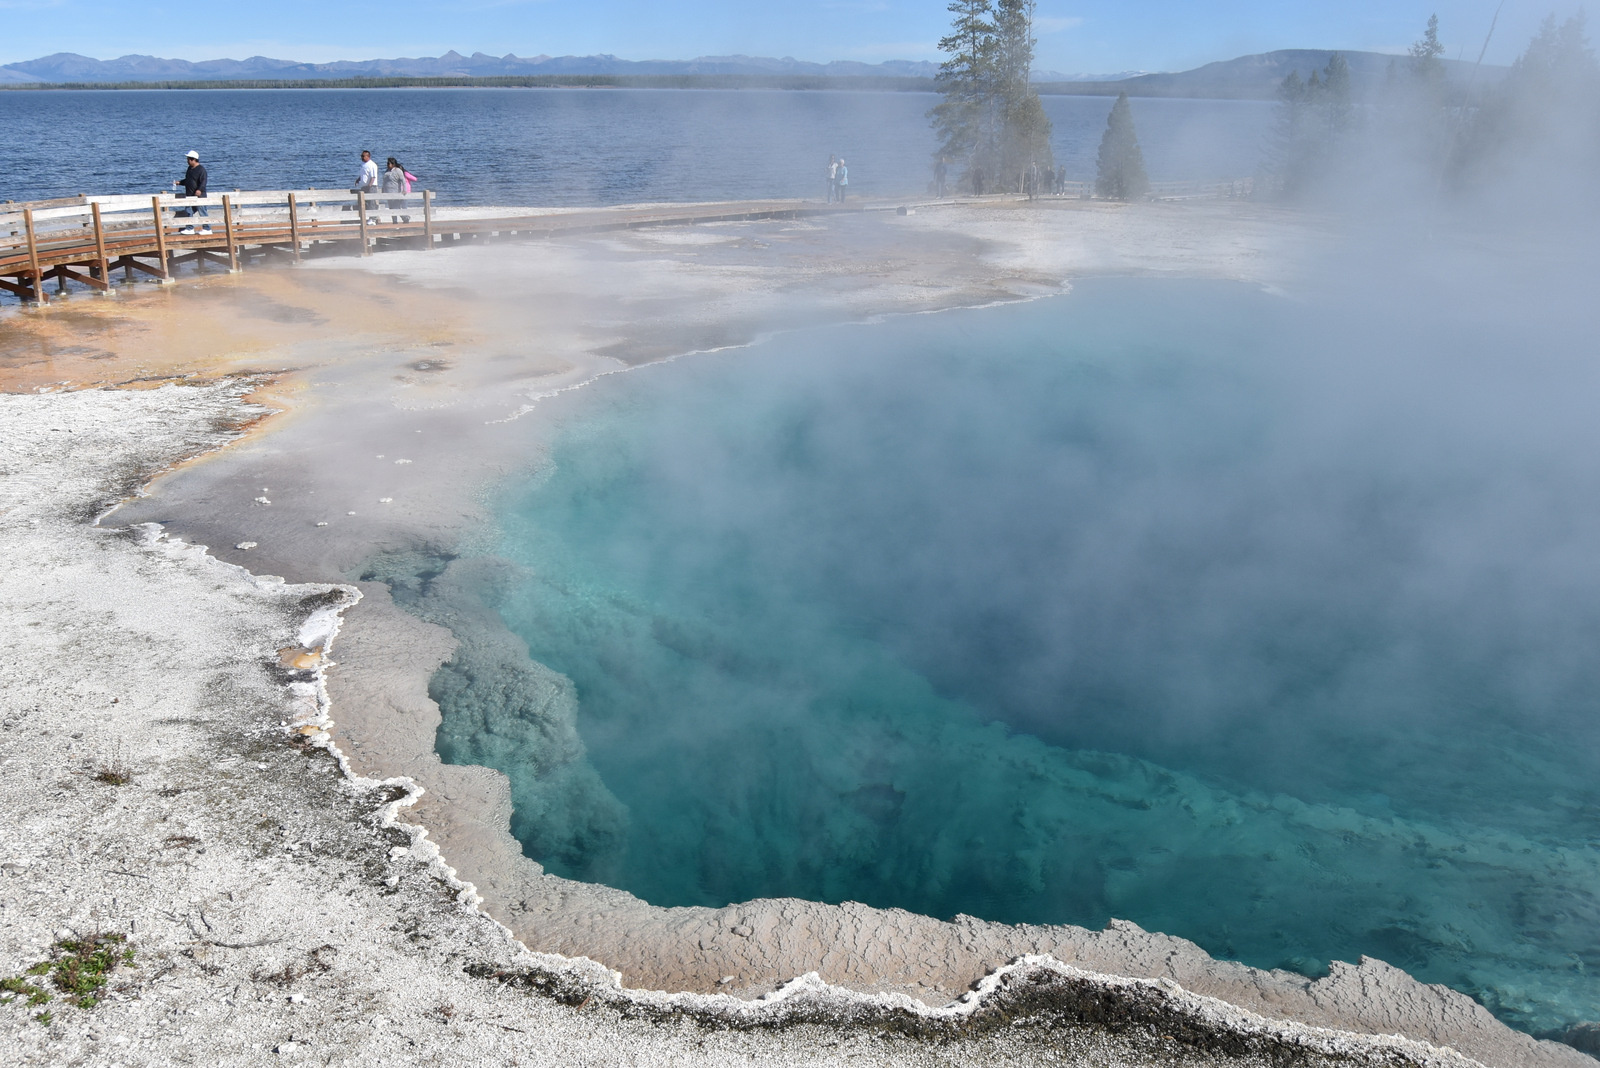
1258 76
1057 76
1248 77
68 67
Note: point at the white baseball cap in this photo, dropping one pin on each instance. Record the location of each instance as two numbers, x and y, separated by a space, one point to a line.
193 154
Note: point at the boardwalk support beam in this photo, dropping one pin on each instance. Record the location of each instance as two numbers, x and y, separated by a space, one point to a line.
294 228
130 264
227 225
102 269
161 241
35 277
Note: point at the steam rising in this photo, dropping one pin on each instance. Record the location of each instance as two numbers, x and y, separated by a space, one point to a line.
1262 619
1284 595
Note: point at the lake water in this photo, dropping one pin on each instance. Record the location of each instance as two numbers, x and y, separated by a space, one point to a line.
557 146
1169 601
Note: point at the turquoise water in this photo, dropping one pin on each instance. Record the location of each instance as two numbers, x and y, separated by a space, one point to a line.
1242 618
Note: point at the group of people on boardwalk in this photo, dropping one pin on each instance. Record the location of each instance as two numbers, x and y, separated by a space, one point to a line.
395 179
1044 181
838 179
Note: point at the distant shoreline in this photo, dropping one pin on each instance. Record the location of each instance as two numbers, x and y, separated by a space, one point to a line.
793 83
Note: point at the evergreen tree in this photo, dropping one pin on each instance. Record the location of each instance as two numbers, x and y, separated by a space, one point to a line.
1338 112
1120 174
1425 61
965 80
991 116
1286 149
1419 125
1314 118
1025 129
1543 120
1558 59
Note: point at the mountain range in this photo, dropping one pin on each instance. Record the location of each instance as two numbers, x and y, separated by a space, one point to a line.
1254 76
70 67
1258 76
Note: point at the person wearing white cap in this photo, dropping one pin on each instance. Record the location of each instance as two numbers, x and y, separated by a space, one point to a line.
194 185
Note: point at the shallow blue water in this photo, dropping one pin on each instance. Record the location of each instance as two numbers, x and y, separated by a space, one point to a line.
556 146
1174 602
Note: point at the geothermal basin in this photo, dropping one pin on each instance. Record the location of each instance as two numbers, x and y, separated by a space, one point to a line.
740 625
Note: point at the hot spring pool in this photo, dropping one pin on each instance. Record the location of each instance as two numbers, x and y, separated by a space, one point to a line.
1240 617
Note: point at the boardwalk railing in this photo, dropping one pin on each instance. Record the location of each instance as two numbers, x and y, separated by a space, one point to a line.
85 239
1236 188
1240 187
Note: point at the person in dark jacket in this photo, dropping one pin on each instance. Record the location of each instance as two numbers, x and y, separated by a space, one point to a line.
194 185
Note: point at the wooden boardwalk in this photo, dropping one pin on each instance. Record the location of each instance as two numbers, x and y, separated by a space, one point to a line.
86 240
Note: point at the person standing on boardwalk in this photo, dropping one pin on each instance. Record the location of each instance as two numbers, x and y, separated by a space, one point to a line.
367 177
194 185
833 178
940 170
396 179
844 179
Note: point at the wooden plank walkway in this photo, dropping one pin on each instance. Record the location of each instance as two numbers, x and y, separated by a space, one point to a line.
85 240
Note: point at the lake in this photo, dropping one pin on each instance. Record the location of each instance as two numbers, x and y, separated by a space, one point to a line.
558 146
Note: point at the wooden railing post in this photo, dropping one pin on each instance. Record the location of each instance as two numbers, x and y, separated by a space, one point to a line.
161 241
427 219
35 276
294 228
103 265
227 225
361 208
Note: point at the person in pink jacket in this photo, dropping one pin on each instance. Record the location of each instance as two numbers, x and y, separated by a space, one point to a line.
396 179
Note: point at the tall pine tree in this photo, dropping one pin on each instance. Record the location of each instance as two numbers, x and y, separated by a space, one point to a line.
1120 173
991 117
1025 129
961 120
1425 61
1539 129
1308 141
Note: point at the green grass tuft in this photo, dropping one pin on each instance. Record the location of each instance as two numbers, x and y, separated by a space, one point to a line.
78 968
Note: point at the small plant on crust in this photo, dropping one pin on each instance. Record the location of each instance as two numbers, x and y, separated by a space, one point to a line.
78 968
114 770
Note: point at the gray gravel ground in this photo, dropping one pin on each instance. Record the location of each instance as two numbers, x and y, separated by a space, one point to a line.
165 779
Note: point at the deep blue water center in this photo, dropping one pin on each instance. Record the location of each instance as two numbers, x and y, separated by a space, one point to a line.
1177 602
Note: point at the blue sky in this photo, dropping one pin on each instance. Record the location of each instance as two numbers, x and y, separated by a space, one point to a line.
1095 36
